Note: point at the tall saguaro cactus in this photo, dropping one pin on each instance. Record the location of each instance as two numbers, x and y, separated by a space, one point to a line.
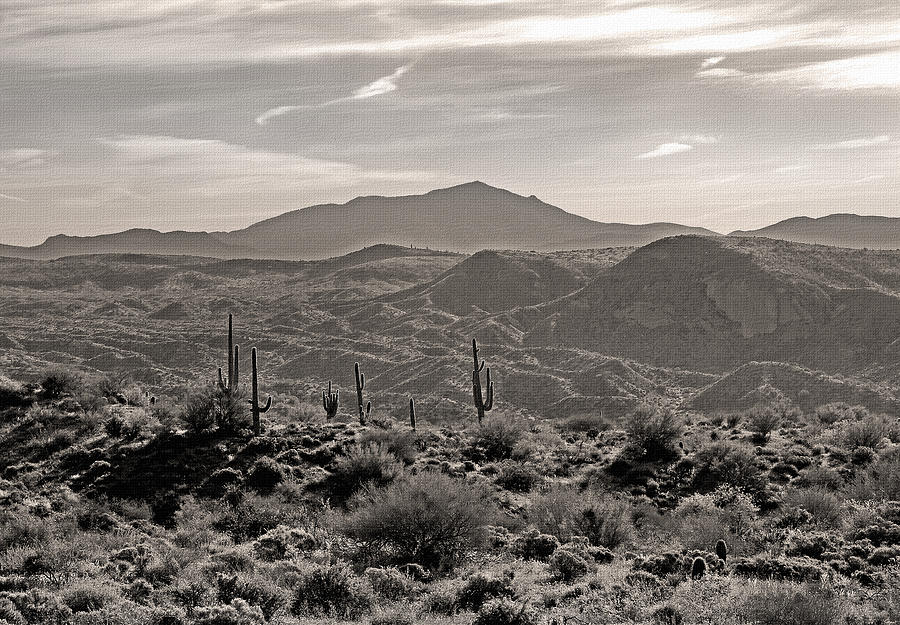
330 402
482 405
255 408
412 414
231 383
364 409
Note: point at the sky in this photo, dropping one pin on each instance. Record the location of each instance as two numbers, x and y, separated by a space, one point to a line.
214 114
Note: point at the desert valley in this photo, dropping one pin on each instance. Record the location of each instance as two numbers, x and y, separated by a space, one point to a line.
672 426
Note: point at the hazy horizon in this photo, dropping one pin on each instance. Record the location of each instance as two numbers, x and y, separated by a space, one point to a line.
211 115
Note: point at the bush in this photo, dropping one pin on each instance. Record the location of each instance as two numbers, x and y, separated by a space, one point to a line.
567 566
389 583
331 590
532 545
564 512
57 383
723 463
88 596
839 411
505 612
789 604
254 589
589 424
425 519
283 542
867 432
654 432
495 440
517 477
369 464
480 588
239 612
824 507
765 566
403 444
762 421
265 474
12 394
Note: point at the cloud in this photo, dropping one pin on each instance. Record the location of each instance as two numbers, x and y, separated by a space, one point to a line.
381 86
12 197
666 149
852 144
24 157
713 60
868 71
700 139
720 72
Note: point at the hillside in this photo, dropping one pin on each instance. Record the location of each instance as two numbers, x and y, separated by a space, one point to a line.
839 230
465 218
714 304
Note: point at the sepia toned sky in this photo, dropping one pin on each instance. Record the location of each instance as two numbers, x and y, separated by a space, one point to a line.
213 114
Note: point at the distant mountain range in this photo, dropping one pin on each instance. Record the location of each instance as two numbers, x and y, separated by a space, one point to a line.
838 230
465 218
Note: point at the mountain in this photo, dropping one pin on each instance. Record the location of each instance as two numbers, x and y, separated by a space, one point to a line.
713 304
465 218
134 241
839 230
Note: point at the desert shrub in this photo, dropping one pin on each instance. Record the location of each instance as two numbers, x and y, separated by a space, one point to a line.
823 506
331 590
370 464
480 588
199 414
389 583
495 440
880 481
588 424
762 421
88 596
867 432
724 463
564 512
256 590
839 411
283 542
654 431
57 383
239 612
517 477
40 606
403 444
265 474
791 604
428 518
767 566
12 394
21 530
666 615
253 516
532 545
391 619
505 612
220 481
567 565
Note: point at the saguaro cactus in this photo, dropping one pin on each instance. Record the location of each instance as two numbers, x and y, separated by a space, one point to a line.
698 568
412 414
231 383
255 408
330 402
364 409
482 405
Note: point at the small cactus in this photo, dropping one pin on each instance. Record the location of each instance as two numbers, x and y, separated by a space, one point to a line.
412 414
722 550
698 568
364 409
255 408
330 402
482 405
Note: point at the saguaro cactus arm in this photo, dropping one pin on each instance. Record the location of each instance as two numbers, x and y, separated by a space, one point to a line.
255 408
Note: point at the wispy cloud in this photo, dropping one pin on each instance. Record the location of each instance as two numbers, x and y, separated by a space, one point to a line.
700 139
853 144
381 86
713 60
868 71
666 149
24 157
12 197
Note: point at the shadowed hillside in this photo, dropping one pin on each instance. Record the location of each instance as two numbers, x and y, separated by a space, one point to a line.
840 230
